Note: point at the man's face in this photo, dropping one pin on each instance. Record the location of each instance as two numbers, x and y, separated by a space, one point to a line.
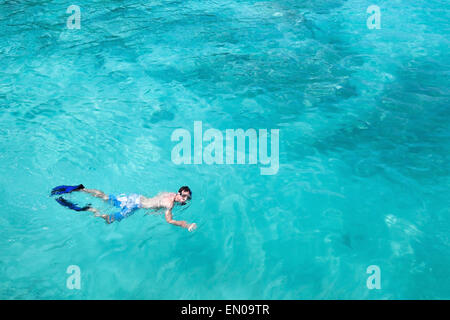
183 197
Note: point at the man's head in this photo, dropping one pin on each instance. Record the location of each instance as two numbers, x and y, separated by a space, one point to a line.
184 194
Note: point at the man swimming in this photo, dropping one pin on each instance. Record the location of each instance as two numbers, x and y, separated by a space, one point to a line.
130 203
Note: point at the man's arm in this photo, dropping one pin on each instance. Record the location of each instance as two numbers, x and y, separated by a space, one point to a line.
183 224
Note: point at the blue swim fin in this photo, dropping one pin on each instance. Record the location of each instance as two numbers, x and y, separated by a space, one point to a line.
65 189
71 205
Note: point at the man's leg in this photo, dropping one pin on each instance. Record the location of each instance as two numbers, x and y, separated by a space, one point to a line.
96 193
98 214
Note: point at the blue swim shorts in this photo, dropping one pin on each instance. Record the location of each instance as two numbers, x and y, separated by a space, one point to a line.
127 204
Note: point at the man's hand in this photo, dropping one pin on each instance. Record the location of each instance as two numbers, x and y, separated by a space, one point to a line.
192 227
183 224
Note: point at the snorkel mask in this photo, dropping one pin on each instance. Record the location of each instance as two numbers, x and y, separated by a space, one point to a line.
188 199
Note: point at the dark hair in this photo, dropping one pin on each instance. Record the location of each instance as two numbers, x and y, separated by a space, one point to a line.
185 188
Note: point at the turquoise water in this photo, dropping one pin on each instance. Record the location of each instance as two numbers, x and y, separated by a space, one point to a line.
364 125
